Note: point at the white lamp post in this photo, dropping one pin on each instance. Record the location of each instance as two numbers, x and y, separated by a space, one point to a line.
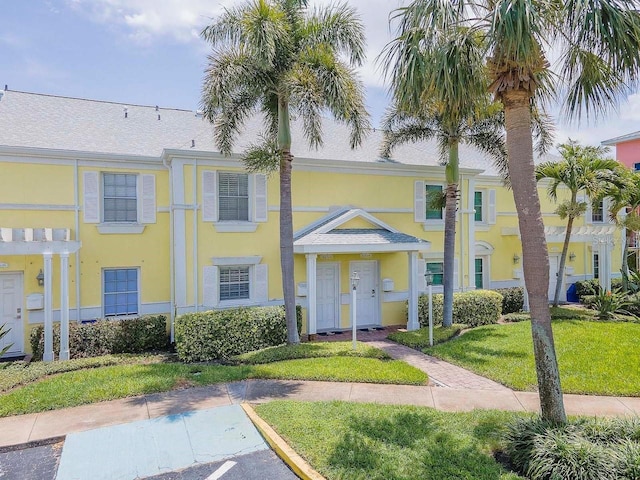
428 277
355 279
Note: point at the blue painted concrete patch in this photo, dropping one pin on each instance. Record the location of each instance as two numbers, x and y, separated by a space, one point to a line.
150 447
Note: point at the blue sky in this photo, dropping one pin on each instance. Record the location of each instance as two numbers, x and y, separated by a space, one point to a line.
149 52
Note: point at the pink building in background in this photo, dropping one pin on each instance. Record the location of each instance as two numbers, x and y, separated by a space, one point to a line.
627 149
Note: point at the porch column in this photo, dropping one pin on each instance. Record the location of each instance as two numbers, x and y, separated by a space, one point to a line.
311 293
64 306
47 355
413 292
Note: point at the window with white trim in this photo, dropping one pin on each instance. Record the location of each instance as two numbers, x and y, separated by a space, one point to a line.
597 212
478 206
120 197
234 283
120 291
233 196
437 270
432 194
596 265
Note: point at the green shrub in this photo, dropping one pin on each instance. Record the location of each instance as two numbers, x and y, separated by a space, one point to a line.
608 305
512 299
570 313
221 334
516 317
3 331
104 337
478 307
586 448
419 339
587 287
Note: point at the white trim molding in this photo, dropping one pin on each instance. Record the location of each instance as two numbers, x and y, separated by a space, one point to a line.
120 228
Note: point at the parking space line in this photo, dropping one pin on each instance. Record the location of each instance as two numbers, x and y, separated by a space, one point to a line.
226 466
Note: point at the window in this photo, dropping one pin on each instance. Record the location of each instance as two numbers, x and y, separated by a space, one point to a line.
437 269
233 196
596 265
597 212
234 283
477 206
433 193
636 167
120 288
479 274
120 197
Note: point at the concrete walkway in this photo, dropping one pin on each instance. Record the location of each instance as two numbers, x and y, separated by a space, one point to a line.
34 427
441 373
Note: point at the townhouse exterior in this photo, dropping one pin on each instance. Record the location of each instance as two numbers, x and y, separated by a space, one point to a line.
110 210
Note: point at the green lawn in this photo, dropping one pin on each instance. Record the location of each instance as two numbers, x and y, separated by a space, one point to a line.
136 375
383 442
419 339
599 358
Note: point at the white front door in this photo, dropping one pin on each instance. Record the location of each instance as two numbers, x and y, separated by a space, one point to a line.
327 296
367 293
11 308
554 263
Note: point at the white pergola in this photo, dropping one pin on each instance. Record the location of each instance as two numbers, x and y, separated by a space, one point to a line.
328 237
46 242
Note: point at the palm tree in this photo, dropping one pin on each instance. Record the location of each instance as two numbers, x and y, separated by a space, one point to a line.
447 101
273 57
596 42
625 194
482 131
583 168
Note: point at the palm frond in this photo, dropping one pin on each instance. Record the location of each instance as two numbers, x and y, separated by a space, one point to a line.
263 156
400 128
306 97
543 130
339 26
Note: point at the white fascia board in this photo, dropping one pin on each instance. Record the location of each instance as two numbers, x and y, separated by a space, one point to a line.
49 154
38 248
350 215
623 138
360 248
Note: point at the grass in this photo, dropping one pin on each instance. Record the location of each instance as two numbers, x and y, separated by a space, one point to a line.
419 339
137 375
310 350
380 442
597 358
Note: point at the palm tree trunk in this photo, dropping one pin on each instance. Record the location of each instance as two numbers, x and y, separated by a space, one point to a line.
286 222
563 256
451 199
535 258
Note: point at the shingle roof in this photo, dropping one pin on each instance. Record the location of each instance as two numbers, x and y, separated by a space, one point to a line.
73 124
359 236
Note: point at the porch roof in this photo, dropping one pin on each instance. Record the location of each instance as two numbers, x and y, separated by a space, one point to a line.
327 236
35 241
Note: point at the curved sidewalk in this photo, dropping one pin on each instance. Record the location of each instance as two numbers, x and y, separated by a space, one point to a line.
34 427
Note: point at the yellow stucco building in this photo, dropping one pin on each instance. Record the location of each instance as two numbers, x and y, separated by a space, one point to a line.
112 210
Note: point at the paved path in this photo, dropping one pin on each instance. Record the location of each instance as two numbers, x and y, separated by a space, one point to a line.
27 428
442 373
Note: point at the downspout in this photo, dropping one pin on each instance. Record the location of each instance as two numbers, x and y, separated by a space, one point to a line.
76 199
195 234
172 310
461 264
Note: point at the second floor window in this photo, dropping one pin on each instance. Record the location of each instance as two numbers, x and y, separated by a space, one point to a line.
233 196
433 193
477 206
597 212
120 197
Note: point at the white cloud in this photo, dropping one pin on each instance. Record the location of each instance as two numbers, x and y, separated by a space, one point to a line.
630 110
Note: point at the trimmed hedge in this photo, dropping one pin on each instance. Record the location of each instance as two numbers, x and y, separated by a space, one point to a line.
221 334
104 337
479 307
585 288
512 299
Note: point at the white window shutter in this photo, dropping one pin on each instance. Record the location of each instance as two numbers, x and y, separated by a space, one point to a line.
422 284
261 282
456 285
588 218
260 198
419 202
147 198
210 296
209 196
491 214
91 196
606 204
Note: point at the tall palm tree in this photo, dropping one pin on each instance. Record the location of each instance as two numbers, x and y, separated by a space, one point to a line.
582 169
273 57
596 42
482 131
625 195
438 84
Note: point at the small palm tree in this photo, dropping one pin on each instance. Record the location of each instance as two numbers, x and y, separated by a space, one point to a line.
482 131
582 169
273 57
625 195
596 42
3 331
